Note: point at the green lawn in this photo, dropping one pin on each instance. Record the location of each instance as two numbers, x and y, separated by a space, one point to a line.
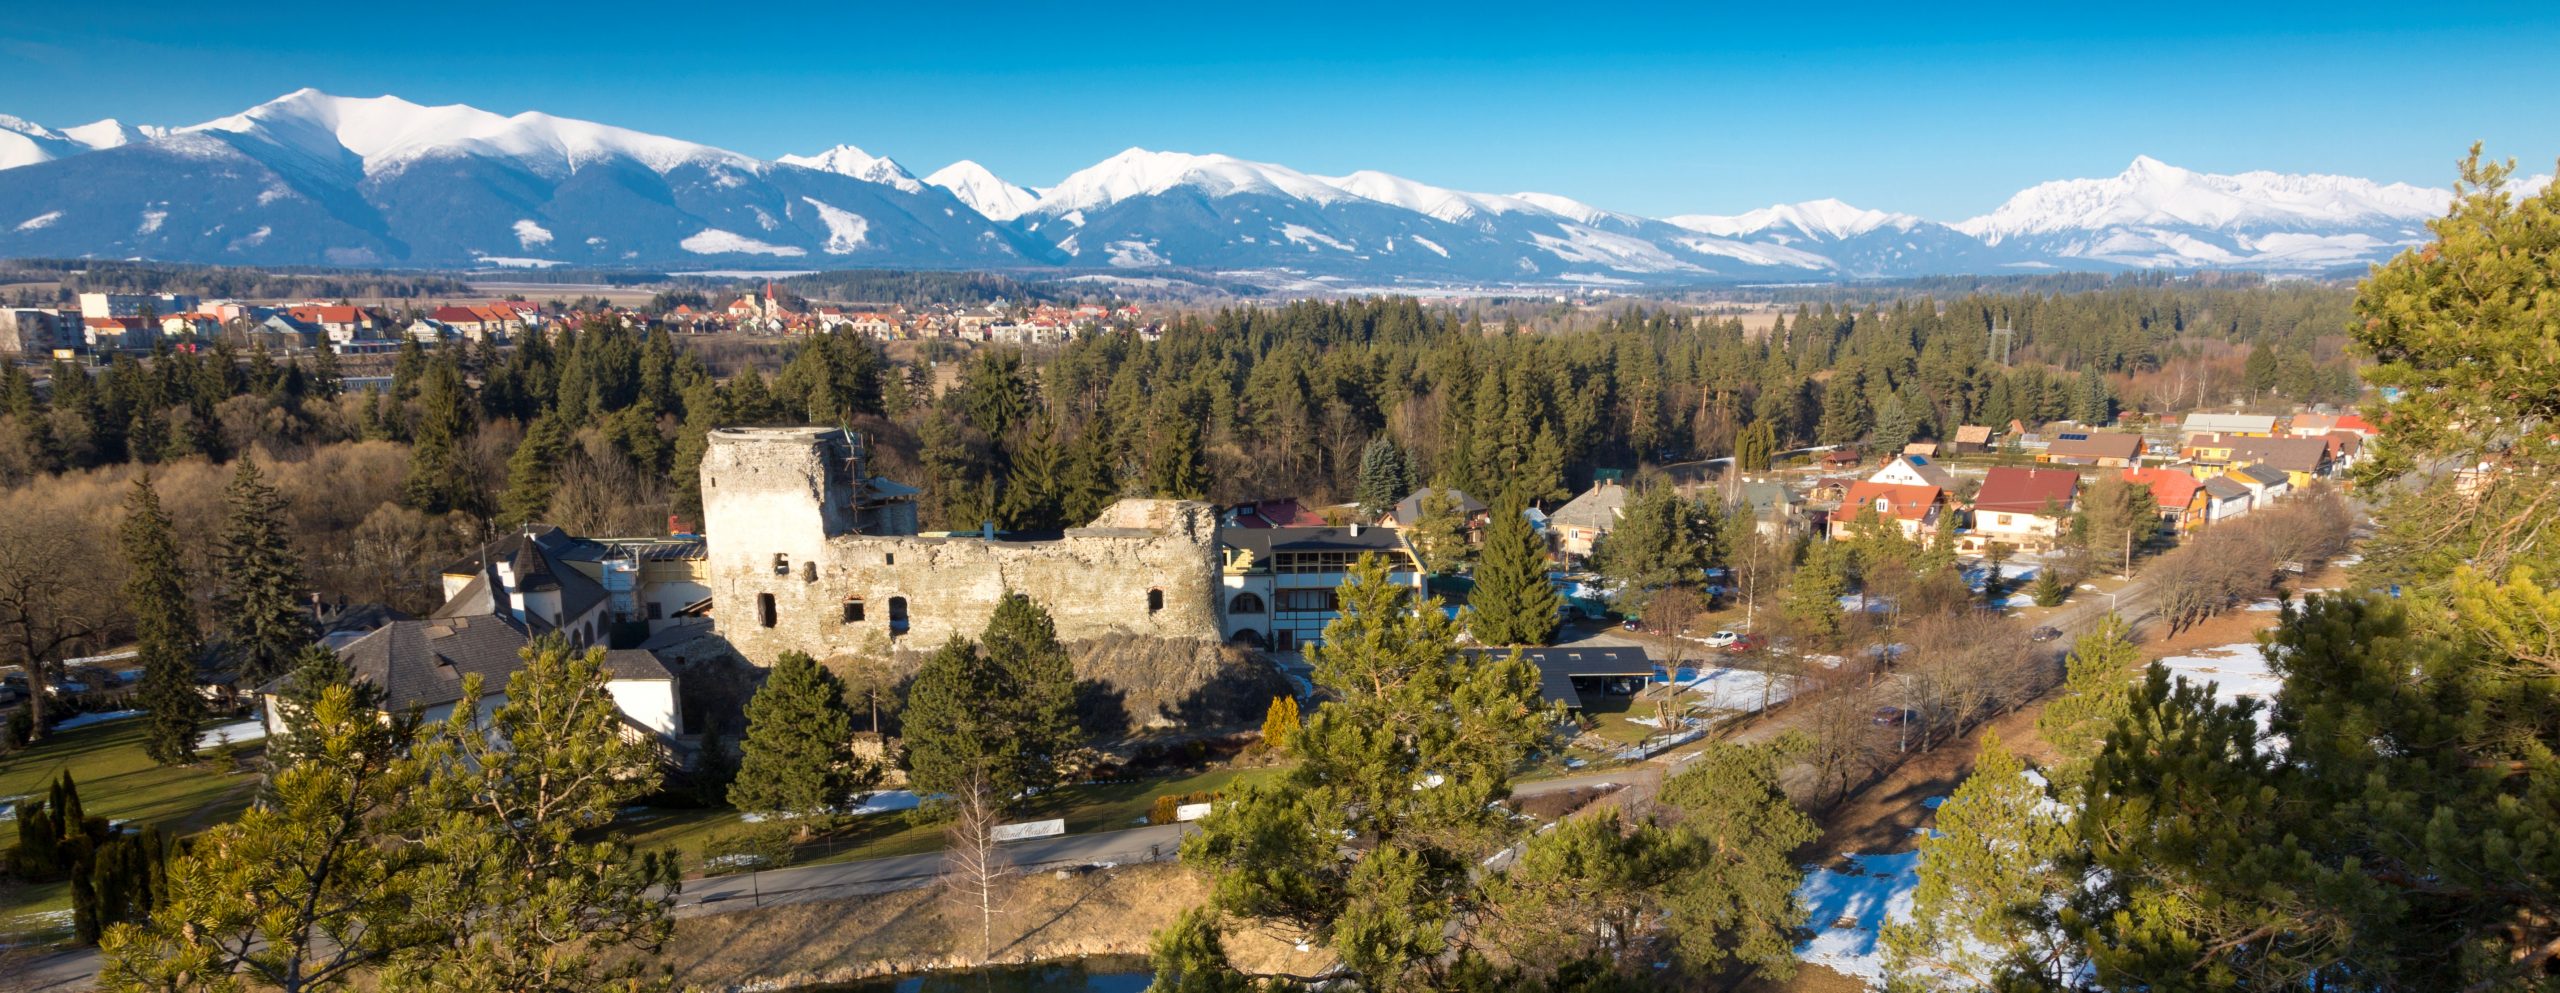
117 782
1086 809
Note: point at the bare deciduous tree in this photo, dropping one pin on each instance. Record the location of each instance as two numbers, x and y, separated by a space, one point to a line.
974 866
58 588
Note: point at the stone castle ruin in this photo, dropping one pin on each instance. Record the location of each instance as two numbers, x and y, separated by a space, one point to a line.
808 551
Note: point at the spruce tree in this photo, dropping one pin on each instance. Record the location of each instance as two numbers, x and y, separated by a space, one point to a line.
438 481
957 723
1813 593
164 622
260 593
2097 686
1038 686
1382 477
798 755
1844 410
1175 471
1513 603
533 472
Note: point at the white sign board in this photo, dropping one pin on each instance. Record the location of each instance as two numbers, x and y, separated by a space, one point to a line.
1191 811
1029 829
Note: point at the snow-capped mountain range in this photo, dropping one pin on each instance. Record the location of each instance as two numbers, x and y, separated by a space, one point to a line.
311 178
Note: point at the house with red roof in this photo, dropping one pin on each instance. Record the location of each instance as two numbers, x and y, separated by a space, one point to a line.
1915 509
2023 508
343 324
2179 494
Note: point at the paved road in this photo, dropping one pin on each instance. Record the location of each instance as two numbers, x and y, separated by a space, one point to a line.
837 880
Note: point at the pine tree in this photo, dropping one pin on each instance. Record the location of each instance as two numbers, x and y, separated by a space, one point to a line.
259 598
1756 447
799 756
2096 689
1513 602
1992 878
1038 686
164 623
533 472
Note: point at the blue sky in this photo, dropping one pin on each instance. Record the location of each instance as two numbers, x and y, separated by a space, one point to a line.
1676 109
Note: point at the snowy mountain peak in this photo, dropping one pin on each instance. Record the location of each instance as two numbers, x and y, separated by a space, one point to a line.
387 132
1826 219
1446 204
846 160
2152 193
983 191
1574 210
1139 172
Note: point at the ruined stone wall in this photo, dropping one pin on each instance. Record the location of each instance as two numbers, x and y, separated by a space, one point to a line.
769 493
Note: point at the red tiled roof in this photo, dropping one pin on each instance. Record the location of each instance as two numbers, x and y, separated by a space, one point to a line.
1902 501
2012 490
2171 488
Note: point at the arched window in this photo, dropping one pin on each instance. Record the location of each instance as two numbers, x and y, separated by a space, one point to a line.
1245 603
1155 600
897 615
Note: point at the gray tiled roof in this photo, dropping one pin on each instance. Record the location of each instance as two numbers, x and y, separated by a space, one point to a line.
422 663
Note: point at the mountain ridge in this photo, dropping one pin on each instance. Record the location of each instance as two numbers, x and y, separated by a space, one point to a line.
315 178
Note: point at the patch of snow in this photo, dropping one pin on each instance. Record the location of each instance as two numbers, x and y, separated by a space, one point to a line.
713 241
151 221
1428 243
1825 219
1134 255
1299 234
2237 671
529 233
845 229
1138 172
40 221
249 730
79 721
1877 889
513 262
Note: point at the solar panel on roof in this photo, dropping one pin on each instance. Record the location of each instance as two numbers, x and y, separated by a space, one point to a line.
1918 459
2068 436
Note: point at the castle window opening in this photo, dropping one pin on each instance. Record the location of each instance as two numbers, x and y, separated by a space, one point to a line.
781 563
764 609
1245 603
888 558
1155 600
897 615
808 572
853 610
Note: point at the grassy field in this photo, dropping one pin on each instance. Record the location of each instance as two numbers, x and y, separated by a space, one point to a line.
1086 809
117 782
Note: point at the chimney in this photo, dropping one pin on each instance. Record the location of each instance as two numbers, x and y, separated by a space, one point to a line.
1355 529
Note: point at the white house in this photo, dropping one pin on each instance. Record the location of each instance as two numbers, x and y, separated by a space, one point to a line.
1914 470
2224 499
1277 585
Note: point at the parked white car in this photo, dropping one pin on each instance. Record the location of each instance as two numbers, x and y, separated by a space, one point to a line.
1722 639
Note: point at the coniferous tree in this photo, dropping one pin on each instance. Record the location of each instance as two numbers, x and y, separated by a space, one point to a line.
1382 477
956 723
1994 876
164 622
2098 682
437 480
1175 471
1813 593
1280 723
1513 603
534 471
1844 410
259 597
1038 685
798 756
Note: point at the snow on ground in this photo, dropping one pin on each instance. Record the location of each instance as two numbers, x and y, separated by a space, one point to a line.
1877 887
84 720
40 221
845 229
2236 671
713 241
531 234
1734 690
1854 602
249 730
